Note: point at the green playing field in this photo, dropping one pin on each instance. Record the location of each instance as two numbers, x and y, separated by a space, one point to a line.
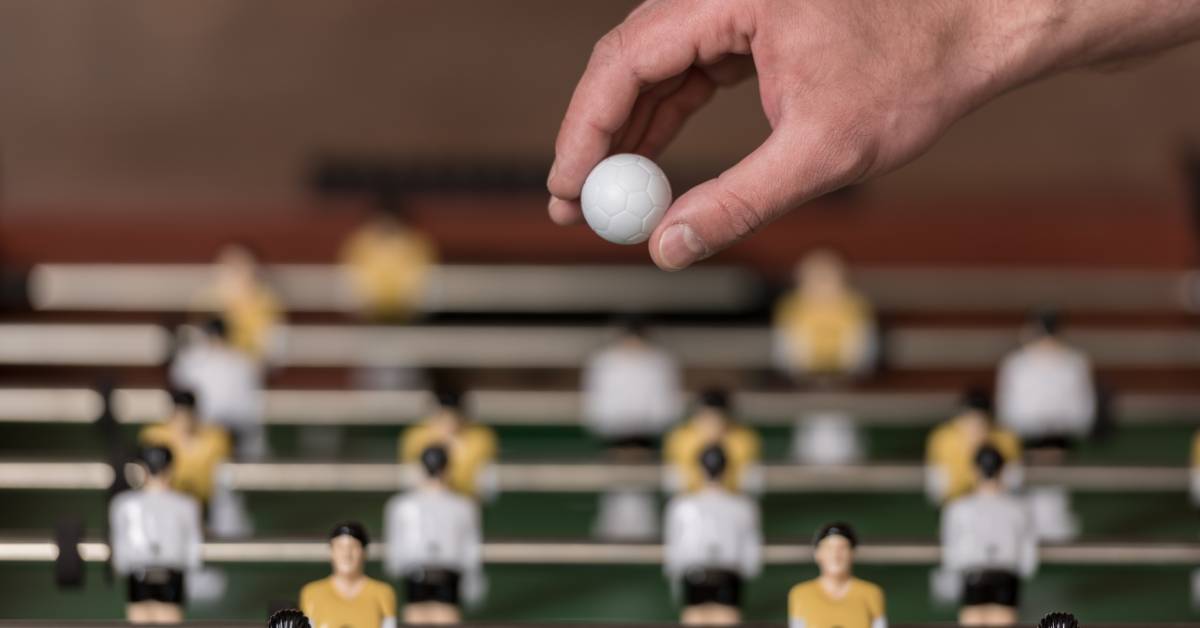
616 593
889 517
626 593
1166 444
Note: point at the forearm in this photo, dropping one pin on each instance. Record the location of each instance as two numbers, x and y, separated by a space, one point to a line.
1030 39
976 51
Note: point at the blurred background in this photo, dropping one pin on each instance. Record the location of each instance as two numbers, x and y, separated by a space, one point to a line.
356 189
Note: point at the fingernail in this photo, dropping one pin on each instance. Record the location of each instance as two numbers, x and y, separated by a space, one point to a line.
553 168
679 247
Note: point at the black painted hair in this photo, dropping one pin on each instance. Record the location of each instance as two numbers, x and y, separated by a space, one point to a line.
1058 620
715 398
713 461
434 460
217 327
836 528
183 398
288 618
989 461
350 528
157 459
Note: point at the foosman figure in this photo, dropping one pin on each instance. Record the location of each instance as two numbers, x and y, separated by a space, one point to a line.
836 599
989 538
288 618
713 542
156 537
632 393
713 423
348 598
434 543
472 446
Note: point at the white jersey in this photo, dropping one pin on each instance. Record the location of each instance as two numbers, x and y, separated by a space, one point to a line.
155 529
712 529
989 531
631 391
227 383
1046 389
434 527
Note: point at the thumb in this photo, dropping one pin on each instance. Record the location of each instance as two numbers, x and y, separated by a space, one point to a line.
792 166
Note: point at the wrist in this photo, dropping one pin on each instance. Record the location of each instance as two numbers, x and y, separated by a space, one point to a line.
1013 42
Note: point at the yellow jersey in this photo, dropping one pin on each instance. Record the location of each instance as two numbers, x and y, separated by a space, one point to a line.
250 314
195 457
471 449
821 329
862 605
326 608
947 449
251 318
685 443
388 268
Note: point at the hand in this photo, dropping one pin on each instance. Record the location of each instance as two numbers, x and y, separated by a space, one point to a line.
851 89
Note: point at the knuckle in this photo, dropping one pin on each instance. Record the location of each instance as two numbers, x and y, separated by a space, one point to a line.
740 212
610 46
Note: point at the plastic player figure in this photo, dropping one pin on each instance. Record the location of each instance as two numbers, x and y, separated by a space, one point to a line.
1044 393
243 299
712 423
156 537
472 447
950 450
288 618
827 437
1044 390
823 327
836 599
713 543
434 543
228 385
388 265
1195 481
197 448
1058 620
632 393
989 538
348 598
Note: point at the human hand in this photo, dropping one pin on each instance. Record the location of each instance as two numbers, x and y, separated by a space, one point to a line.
851 89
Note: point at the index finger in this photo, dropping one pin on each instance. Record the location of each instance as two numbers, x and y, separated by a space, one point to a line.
653 44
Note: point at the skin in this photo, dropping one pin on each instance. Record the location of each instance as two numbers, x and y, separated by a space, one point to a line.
821 276
975 426
712 423
710 615
851 88
347 556
448 422
237 271
183 420
835 560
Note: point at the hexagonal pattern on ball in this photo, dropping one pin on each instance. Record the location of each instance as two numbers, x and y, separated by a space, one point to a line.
624 198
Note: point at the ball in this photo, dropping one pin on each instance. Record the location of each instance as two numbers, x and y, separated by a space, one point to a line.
624 198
